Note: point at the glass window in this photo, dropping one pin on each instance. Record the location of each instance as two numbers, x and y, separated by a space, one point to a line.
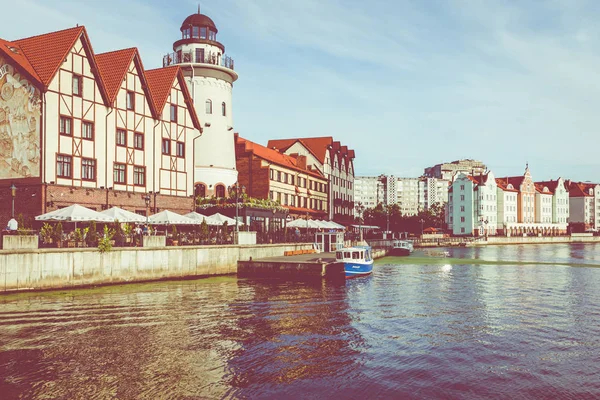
203 33
121 137
209 106
180 149
138 141
212 35
130 100
139 176
88 169
223 109
77 85
119 175
87 130
173 113
195 32
64 166
166 146
220 191
186 33
66 126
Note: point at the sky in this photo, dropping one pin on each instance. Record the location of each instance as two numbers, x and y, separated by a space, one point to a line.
406 84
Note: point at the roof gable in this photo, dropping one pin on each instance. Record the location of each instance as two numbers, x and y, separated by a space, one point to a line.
160 82
47 52
113 67
13 52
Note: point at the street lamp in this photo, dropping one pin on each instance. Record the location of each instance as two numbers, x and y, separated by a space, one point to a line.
147 200
13 192
359 210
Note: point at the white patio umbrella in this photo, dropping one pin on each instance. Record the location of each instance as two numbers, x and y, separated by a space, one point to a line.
322 224
223 218
303 223
167 217
118 214
199 217
74 213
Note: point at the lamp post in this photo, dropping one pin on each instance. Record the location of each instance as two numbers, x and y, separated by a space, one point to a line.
422 221
387 217
147 200
359 210
13 192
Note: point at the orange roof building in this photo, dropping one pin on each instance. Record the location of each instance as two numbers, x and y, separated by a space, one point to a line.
335 161
287 179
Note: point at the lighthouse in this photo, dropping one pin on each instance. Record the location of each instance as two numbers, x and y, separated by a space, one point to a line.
209 74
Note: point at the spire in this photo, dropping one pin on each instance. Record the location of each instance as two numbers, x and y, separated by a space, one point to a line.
198 8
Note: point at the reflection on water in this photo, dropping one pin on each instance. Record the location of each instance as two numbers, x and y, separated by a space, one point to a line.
408 331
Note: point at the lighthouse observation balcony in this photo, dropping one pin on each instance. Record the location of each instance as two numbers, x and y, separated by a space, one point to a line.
198 57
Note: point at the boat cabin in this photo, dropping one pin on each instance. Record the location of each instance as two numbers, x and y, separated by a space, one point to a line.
354 254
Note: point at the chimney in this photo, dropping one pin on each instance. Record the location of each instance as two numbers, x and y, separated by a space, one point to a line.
300 161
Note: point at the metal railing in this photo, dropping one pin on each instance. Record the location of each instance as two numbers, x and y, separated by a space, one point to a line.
208 57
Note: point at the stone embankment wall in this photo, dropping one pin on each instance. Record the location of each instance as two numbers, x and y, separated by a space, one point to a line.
41 269
540 240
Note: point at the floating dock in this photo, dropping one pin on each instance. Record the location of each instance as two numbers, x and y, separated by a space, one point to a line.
295 267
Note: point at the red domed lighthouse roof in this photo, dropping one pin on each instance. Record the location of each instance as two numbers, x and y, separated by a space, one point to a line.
199 20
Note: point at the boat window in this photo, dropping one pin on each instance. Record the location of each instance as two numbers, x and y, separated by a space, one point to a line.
339 255
355 255
346 254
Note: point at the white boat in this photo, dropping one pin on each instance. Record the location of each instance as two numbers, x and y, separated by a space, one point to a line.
402 248
357 260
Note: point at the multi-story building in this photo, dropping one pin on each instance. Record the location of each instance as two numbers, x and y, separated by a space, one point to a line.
368 191
209 75
584 206
507 206
335 162
449 170
407 195
432 191
289 180
473 206
94 130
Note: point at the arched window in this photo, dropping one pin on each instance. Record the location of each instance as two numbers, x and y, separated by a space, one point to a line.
209 106
224 108
200 190
220 191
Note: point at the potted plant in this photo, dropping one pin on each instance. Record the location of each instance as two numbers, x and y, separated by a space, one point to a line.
127 232
105 243
204 233
174 235
47 233
91 238
58 233
77 236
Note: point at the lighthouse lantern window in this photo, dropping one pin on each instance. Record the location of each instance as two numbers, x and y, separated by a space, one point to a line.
195 32
212 35
186 33
203 33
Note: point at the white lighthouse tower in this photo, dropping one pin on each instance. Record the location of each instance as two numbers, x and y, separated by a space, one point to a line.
210 75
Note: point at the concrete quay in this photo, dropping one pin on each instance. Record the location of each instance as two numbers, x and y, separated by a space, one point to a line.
67 268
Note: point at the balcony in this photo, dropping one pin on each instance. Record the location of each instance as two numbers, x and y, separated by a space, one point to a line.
209 57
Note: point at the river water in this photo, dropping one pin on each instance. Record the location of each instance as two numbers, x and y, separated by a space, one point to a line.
528 327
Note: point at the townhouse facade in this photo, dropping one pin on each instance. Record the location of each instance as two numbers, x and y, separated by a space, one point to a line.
507 206
96 130
584 206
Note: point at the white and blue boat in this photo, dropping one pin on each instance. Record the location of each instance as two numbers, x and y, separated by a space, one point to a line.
357 260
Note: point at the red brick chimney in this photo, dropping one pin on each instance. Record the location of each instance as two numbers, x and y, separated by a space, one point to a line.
301 161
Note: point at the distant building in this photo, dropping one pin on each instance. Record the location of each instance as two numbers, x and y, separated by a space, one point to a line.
449 170
584 205
473 205
368 190
433 191
335 161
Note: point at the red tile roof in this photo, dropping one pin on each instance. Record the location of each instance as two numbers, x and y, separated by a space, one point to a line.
302 210
503 184
113 66
15 53
160 83
317 145
47 52
275 157
551 185
580 189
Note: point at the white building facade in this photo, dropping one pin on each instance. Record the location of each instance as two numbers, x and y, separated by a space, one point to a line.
368 190
210 76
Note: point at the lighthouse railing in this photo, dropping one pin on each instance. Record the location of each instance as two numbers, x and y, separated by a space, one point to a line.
208 57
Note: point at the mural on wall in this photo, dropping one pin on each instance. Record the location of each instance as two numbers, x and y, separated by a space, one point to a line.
20 113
